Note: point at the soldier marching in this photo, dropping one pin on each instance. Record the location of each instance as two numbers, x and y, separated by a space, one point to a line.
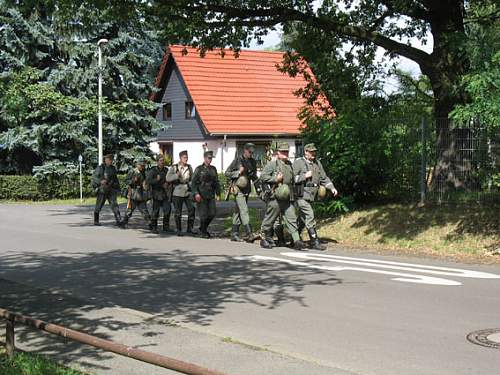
106 185
206 187
242 173
161 194
180 175
287 189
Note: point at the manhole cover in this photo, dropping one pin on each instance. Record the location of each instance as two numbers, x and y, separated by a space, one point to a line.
486 337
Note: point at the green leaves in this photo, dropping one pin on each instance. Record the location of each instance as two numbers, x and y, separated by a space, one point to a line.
48 89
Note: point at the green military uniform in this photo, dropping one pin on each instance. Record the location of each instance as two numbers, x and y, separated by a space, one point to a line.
205 182
180 176
161 195
283 206
106 185
138 194
307 191
240 216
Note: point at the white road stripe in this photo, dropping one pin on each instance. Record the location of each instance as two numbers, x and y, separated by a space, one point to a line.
404 277
456 272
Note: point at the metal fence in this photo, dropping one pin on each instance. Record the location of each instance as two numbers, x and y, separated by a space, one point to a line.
12 318
443 161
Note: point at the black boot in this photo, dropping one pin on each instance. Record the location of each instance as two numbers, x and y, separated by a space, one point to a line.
267 241
153 226
235 233
118 218
204 229
178 226
299 245
96 219
190 227
300 226
124 222
280 234
166 223
314 242
250 235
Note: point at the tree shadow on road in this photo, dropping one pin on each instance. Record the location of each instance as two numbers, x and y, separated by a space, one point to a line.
191 288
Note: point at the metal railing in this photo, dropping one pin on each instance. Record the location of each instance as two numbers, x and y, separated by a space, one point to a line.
106 345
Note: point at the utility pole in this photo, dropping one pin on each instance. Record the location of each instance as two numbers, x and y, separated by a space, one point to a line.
99 102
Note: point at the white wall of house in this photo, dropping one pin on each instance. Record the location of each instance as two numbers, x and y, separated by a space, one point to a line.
195 151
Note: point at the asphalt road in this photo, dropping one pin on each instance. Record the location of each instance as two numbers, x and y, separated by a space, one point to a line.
336 312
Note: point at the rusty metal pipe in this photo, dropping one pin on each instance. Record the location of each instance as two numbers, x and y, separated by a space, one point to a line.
9 338
110 346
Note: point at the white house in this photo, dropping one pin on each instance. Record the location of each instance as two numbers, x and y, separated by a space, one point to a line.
220 103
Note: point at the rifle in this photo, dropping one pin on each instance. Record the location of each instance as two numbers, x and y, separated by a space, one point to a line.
230 190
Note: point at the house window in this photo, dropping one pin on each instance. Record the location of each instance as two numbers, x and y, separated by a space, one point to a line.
190 110
299 149
167 111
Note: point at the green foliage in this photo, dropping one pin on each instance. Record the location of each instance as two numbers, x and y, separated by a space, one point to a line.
482 84
32 364
48 87
47 186
333 207
224 185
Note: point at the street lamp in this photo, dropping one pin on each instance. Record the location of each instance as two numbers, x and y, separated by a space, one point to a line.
99 102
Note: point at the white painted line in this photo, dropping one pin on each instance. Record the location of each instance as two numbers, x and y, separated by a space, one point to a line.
456 272
404 277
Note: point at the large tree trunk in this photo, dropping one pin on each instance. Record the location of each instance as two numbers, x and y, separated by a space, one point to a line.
446 67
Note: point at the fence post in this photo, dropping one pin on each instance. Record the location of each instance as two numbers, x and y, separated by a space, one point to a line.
423 162
9 337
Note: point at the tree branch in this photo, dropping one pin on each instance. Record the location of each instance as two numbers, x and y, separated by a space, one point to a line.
276 15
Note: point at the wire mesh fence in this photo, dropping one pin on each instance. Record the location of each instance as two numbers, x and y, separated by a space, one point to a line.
443 161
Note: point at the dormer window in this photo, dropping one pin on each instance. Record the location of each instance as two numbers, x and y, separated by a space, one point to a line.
167 111
190 110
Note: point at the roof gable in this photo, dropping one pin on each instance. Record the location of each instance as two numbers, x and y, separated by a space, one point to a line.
244 95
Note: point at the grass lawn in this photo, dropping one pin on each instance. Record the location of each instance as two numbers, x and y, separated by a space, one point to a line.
31 364
463 232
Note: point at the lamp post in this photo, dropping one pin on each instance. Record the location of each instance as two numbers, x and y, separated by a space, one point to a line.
99 102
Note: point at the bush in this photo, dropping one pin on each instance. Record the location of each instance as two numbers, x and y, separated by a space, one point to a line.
48 187
333 207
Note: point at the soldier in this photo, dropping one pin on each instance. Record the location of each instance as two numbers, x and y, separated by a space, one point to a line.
105 183
279 174
137 193
242 172
310 177
180 175
206 187
161 194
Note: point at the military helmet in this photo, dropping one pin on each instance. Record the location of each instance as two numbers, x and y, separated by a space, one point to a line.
242 182
321 192
282 192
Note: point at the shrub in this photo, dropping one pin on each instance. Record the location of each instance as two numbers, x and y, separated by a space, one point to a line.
48 187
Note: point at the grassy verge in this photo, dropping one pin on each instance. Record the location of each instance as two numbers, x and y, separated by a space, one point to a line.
459 231
76 201
31 364
464 232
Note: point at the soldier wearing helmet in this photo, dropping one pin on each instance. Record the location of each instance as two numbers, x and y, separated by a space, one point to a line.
242 172
311 183
279 174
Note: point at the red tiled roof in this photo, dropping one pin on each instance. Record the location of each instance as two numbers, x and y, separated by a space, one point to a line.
244 95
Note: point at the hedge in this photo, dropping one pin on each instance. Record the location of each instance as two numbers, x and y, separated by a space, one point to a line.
29 188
